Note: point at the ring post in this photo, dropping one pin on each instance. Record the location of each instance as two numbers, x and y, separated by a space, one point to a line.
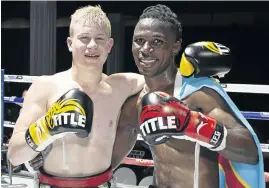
2 105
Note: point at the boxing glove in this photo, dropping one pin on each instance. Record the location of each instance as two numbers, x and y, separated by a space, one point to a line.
205 59
163 116
35 164
71 113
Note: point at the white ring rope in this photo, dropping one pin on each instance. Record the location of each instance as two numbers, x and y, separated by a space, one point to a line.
19 78
246 88
236 88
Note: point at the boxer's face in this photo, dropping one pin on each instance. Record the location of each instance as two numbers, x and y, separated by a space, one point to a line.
90 44
154 46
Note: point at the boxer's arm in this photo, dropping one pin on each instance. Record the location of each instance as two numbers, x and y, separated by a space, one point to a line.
136 82
126 132
130 82
34 107
240 145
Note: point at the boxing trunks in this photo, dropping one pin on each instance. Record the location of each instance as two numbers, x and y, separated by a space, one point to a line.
101 180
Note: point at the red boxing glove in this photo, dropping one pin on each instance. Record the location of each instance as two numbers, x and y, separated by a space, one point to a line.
163 116
206 131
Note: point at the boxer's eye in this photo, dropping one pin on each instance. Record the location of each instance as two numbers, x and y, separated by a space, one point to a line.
139 41
157 42
99 39
84 38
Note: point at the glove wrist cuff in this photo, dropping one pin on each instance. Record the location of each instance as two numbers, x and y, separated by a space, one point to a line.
37 134
219 147
222 144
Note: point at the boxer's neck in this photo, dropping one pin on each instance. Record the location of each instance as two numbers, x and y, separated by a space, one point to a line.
162 82
87 77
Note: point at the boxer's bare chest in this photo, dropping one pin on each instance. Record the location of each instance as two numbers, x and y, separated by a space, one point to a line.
107 103
76 152
175 160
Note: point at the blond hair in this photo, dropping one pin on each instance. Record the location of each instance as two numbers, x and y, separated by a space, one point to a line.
90 14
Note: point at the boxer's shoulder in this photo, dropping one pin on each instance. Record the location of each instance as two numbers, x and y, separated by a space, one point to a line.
124 78
42 88
206 99
54 86
39 88
126 83
50 80
211 96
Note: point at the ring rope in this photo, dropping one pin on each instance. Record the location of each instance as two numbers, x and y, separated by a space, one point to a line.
246 88
236 88
19 78
247 114
13 99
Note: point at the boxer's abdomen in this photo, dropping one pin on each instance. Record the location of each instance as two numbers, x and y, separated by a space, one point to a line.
92 155
83 158
175 166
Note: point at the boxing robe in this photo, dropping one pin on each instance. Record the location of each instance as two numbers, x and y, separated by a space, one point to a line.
231 174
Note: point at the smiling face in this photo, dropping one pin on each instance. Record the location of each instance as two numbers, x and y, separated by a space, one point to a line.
89 40
90 44
154 46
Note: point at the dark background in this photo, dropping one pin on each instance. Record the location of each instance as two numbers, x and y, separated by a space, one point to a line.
248 43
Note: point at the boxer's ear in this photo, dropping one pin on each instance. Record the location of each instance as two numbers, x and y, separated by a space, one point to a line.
110 44
176 47
69 43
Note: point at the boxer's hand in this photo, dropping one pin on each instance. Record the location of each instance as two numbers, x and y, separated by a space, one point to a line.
38 161
205 59
163 116
158 119
72 113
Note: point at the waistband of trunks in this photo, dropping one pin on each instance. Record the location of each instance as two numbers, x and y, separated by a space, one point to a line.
90 181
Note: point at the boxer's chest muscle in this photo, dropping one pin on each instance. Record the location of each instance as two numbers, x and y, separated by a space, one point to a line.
106 112
107 103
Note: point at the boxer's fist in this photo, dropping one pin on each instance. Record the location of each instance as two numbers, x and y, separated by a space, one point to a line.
72 113
163 116
205 59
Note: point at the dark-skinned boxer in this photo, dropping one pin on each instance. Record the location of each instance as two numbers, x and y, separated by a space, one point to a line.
183 157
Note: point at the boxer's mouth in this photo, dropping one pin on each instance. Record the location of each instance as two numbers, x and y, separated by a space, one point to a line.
92 56
147 62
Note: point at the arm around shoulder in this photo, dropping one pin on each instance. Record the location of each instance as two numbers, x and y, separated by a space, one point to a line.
131 81
136 82
34 107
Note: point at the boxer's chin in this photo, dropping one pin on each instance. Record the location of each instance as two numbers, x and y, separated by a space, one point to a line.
147 72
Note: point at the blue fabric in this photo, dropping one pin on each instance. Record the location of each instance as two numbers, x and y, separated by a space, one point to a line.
253 175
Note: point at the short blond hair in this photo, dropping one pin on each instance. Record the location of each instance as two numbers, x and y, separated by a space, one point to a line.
90 14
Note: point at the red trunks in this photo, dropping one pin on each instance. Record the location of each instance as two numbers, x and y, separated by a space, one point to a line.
92 181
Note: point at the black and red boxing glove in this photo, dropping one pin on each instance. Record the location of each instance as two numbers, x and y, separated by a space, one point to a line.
163 116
